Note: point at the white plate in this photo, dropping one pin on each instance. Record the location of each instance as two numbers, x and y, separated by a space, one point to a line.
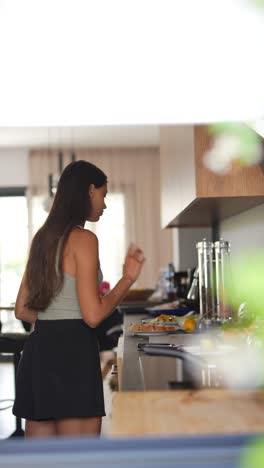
154 333
162 323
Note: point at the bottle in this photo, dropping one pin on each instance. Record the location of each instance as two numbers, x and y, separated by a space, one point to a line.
193 291
171 288
160 293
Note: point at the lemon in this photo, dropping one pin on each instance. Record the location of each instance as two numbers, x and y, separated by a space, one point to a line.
189 324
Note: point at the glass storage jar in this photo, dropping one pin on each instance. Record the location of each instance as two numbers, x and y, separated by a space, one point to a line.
222 268
206 281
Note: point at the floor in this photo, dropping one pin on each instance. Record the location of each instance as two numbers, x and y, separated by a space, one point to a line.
7 420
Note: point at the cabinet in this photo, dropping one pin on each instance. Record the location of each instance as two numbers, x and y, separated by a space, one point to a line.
191 195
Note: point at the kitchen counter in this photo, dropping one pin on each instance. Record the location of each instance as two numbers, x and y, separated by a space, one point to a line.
185 412
142 372
146 406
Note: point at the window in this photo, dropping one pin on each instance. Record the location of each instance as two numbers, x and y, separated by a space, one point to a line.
40 208
13 248
110 231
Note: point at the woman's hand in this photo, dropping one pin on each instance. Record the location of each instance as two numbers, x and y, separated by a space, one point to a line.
133 263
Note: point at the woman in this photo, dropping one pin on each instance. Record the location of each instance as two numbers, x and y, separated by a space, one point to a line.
59 384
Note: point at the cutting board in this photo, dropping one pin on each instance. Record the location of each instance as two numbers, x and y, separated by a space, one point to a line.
186 412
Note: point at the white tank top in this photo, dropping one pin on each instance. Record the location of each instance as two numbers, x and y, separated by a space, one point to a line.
66 304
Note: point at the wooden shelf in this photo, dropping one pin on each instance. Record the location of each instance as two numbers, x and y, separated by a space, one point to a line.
206 211
193 196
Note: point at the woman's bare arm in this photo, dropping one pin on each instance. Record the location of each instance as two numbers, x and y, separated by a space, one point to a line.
93 307
21 311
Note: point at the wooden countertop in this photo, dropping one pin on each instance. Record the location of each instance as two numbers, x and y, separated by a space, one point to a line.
185 412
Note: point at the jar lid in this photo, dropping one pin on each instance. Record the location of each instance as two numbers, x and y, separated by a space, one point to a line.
222 245
204 244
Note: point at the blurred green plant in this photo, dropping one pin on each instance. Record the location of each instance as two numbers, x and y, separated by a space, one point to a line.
260 4
238 143
253 455
246 139
245 282
233 142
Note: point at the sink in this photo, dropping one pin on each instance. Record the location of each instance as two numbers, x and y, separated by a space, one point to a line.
202 371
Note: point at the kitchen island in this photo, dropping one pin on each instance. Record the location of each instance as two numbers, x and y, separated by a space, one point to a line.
145 405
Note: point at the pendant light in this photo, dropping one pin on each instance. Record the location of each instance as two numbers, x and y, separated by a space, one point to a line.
73 155
53 178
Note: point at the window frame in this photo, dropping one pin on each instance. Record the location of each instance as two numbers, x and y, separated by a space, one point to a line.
19 191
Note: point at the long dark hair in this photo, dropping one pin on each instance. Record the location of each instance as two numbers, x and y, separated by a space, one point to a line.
71 207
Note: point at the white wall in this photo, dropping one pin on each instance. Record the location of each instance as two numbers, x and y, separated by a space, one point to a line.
184 246
245 230
188 238
13 167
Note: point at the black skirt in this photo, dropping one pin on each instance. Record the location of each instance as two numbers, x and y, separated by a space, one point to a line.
59 373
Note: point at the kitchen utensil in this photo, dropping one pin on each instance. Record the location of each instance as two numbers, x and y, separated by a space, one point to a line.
193 365
143 346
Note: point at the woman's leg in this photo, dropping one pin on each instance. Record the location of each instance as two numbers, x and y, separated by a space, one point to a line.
79 426
40 429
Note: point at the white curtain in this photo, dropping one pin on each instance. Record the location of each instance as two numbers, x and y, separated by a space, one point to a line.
136 173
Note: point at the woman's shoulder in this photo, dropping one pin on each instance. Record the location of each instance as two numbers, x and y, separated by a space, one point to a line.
83 238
